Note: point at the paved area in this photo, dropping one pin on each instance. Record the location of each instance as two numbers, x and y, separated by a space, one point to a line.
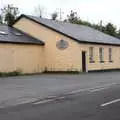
25 89
94 104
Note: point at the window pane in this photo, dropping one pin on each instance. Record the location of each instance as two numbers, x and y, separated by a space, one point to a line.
91 54
101 54
110 54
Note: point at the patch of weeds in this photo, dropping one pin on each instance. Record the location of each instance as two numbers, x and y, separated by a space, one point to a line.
13 73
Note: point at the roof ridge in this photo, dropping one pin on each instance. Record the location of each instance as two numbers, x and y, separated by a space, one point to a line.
78 25
79 33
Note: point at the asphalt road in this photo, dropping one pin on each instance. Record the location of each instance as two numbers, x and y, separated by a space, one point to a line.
24 89
93 104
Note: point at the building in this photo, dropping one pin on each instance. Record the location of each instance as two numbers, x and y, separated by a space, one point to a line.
19 51
35 45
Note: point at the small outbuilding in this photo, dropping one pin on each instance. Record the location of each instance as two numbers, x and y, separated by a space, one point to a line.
35 45
19 51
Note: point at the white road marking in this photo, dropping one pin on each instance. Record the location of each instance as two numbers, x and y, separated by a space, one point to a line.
98 89
78 91
42 102
51 97
111 102
48 100
95 89
61 98
25 101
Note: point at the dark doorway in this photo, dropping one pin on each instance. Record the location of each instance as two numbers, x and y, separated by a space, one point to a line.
84 61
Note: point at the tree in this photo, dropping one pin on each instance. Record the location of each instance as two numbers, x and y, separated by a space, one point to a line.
1 20
118 34
72 17
9 18
10 12
54 15
39 11
110 29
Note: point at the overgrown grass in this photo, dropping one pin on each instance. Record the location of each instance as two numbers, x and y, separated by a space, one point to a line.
13 73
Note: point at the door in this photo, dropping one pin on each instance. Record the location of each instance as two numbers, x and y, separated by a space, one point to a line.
84 61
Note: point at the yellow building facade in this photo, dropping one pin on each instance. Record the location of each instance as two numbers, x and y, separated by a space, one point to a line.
69 59
26 58
51 57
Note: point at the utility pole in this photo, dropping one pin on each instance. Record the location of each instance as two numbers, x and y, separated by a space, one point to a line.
60 13
101 22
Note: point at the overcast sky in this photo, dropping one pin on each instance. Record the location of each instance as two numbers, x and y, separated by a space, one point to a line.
91 10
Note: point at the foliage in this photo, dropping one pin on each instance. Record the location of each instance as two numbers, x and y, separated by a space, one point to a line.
111 29
54 15
108 29
1 21
39 11
9 18
13 73
10 12
72 17
118 33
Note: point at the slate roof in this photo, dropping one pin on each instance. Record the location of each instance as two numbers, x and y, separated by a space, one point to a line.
79 33
12 35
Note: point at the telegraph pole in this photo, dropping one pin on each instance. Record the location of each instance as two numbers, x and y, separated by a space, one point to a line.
60 13
101 22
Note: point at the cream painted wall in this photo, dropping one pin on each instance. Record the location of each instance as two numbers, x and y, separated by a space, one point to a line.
69 59
27 58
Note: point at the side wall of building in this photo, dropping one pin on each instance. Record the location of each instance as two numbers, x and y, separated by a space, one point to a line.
26 58
69 59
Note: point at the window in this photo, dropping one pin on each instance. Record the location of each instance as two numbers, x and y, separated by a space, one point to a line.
110 54
101 54
91 56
